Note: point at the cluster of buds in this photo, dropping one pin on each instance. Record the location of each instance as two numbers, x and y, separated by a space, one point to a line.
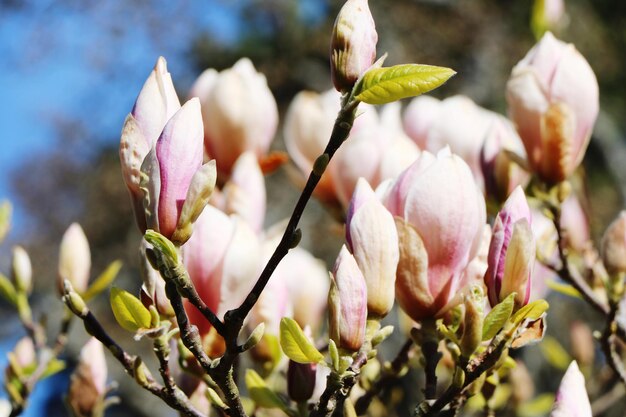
376 150
161 152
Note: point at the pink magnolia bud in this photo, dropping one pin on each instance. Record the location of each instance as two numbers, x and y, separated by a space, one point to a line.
308 125
511 252
74 259
353 44
245 191
502 174
571 398
88 382
307 281
614 245
462 125
575 223
420 115
92 355
179 155
222 258
553 101
440 217
301 380
372 238
25 352
377 150
347 302
156 104
239 111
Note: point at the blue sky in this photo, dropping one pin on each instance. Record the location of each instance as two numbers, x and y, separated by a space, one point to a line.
86 61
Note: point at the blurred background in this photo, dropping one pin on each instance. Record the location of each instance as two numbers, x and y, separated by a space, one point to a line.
71 70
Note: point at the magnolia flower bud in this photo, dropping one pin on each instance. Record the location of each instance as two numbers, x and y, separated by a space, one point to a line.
614 245
88 382
21 270
511 252
582 343
419 116
301 380
24 352
553 101
571 398
307 282
222 258
74 259
353 44
308 126
373 239
347 303
239 112
440 214
179 155
500 172
462 125
156 104
244 193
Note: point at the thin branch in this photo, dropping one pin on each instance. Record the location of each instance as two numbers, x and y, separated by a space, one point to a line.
129 362
341 130
386 378
570 275
608 343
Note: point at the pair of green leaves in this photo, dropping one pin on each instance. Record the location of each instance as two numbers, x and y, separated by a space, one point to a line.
501 313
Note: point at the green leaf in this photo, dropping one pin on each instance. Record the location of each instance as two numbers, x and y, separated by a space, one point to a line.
384 85
129 312
531 311
103 281
498 316
554 353
563 288
262 395
296 345
7 290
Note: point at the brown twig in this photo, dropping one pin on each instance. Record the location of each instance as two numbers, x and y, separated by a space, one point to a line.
177 400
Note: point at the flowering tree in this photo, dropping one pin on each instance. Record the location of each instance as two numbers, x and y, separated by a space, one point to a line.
444 220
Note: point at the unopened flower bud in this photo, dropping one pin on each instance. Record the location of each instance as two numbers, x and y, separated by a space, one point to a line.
614 245
21 270
511 252
301 380
24 352
353 44
347 302
553 101
571 398
373 239
74 259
